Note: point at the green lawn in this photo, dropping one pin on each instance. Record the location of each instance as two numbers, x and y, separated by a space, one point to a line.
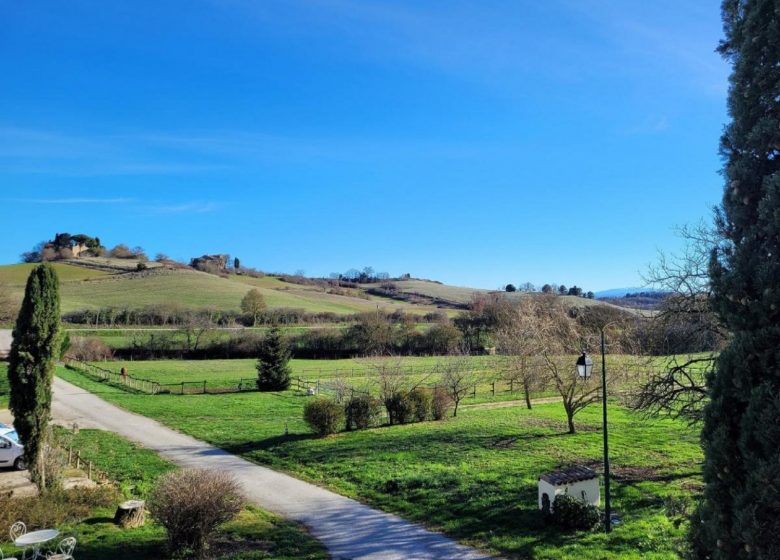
255 533
4 385
15 275
356 373
474 477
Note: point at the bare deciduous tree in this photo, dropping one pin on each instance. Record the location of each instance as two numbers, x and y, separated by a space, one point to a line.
194 328
518 340
458 379
685 323
678 390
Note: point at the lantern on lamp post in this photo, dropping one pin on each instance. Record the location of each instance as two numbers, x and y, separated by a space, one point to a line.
584 371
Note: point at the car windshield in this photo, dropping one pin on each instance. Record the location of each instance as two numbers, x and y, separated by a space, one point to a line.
12 435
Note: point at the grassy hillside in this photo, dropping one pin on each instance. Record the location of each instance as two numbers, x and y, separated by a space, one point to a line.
97 283
458 295
90 288
15 275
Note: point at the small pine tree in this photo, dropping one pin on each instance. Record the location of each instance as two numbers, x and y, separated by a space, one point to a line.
273 369
34 352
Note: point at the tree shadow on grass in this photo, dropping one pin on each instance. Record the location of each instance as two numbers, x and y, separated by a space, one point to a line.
266 444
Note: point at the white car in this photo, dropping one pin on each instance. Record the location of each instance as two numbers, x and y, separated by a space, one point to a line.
11 450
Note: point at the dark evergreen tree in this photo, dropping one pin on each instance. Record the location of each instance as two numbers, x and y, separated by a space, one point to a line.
34 352
740 515
273 369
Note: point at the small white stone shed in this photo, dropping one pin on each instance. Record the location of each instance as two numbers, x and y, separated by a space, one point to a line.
580 482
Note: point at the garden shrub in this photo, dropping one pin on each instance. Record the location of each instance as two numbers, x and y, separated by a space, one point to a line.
574 514
361 412
191 504
400 409
323 416
441 403
421 400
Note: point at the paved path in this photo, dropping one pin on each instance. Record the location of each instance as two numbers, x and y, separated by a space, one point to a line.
6 337
349 529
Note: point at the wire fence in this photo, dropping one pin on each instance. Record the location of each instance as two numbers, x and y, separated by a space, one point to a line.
493 378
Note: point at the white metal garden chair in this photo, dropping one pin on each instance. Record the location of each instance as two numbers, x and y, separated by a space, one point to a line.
64 550
17 530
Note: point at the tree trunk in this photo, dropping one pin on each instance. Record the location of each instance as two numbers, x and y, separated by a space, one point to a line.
527 390
570 420
130 514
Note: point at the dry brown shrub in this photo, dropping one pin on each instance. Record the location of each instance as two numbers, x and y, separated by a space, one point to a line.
88 349
191 504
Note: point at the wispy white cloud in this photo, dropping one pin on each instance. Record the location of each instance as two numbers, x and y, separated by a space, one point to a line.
152 152
194 207
31 151
651 125
74 200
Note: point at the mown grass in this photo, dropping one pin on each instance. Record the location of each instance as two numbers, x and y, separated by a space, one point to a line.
15 275
197 290
355 373
254 534
4 388
474 477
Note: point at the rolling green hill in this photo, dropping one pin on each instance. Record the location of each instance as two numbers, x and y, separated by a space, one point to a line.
90 288
459 296
100 283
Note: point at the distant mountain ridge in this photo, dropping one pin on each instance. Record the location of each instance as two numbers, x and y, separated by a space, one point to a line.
621 292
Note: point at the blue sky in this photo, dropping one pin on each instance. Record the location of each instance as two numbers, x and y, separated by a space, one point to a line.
477 143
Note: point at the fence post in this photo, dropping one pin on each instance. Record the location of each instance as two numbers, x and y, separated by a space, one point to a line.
78 459
182 387
474 394
318 386
494 388
70 456
204 386
89 475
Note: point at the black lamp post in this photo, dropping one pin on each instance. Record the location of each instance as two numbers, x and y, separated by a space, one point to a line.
584 370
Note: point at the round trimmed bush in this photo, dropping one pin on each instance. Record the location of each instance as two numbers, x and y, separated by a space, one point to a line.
574 514
420 400
191 504
441 403
399 408
361 412
324 416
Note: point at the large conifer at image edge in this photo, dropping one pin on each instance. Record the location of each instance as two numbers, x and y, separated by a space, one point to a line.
740 514
34 353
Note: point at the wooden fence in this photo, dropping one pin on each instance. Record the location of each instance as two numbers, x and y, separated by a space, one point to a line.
125 382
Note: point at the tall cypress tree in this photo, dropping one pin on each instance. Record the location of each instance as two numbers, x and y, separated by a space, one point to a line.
273 369
34 352
740 514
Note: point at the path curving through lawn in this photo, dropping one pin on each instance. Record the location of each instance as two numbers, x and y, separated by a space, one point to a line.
347 528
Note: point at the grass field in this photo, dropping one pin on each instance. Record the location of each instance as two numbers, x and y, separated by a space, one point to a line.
356 373
3 385
474 477
135 470
85 288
